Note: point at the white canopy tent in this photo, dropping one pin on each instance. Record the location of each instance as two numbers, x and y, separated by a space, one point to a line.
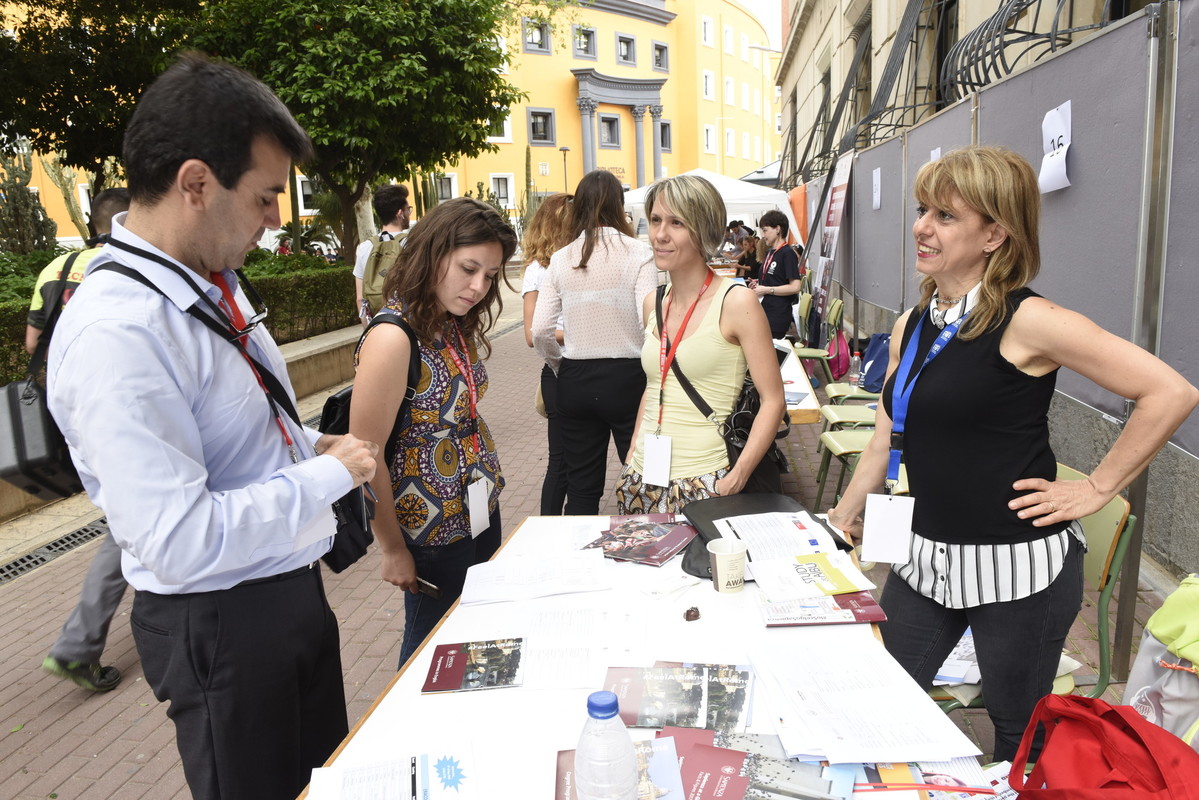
742 200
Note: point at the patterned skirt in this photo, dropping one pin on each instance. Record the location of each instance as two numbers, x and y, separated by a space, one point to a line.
634 496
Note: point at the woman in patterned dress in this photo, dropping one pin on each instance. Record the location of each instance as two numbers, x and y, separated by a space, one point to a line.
444 461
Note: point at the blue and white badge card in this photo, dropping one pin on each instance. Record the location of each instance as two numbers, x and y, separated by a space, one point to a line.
656 460
887 528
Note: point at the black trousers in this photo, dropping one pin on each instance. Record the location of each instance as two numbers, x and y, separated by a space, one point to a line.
252 676
597 398
553 488
1018 644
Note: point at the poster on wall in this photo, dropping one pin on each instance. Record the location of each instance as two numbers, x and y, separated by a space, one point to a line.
822 276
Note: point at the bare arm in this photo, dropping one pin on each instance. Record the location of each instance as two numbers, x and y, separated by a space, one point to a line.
1043 336
379 387
32 334
647 308
743 322
358 302
530 304
871 468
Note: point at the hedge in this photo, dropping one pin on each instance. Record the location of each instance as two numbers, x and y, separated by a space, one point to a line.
300 304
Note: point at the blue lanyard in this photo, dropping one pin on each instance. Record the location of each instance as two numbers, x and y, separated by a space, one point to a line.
901 392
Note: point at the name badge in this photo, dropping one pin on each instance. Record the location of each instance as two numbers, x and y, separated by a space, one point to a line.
476 505
656 460
887 528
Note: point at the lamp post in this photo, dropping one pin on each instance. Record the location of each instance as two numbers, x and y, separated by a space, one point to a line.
565 182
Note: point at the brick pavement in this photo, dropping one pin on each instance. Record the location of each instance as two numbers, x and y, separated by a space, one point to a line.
57 740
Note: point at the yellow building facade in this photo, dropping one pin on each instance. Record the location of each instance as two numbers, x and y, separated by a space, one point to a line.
641 88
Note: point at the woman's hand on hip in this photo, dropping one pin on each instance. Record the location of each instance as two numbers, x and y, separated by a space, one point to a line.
399 569
732 483
1056 502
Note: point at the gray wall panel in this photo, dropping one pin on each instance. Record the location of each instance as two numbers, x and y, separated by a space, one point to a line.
1180 323
879 237
1089 248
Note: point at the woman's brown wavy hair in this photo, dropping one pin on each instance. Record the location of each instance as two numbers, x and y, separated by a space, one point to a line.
548 231
1001 186
460 222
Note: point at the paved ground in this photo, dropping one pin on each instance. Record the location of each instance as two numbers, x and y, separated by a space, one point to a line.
60 741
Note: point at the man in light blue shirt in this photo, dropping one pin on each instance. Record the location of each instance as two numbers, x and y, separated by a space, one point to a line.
219 501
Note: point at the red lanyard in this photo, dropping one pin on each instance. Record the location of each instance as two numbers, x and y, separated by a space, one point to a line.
467 375
666 350
239 322
766 262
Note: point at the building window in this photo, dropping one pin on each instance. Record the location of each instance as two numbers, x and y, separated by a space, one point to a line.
730 143
500 131
501 47
745 48
305 193
536 36
661 57
609 131
778 123
707 32
709 139
626 49
757 59
501 187
745 146
584 39
745 96
709 85
664 132
757 103
728 39
541 130
730 92
447 186
758 149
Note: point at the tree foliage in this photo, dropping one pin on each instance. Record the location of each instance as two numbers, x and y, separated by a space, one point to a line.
24 224
383 87
75 68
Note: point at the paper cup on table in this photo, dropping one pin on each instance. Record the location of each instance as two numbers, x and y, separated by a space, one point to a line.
727 557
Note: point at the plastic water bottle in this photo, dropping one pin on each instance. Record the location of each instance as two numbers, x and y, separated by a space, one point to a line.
855 369
605 765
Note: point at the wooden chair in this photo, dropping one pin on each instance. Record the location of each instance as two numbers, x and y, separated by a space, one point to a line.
823 355
1107 533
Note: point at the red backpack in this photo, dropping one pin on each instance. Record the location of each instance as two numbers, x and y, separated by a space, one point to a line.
1096 751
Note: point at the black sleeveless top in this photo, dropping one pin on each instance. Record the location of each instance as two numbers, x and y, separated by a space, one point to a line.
975 425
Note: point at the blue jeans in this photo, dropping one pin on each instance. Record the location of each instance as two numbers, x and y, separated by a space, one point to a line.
1018 643
444 567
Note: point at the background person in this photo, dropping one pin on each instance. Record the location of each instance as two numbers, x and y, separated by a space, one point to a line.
548 231
444 286
220 502
777 282
596 283
749 262
75 655
391 206
715 330
988 506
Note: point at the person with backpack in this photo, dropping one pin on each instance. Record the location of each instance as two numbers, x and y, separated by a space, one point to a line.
440 470
375 256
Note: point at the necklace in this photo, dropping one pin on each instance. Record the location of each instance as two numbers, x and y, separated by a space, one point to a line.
949 300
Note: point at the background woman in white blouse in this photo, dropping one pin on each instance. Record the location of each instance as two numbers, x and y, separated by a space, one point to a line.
596 283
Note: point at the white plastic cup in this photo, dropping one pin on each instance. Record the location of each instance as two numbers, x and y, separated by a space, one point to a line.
727 558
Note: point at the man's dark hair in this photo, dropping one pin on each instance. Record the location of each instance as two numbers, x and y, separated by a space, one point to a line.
105 206
775 219
389 200
207 110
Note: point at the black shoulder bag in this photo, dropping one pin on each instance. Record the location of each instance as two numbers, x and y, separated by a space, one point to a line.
766 476
33 453
354 510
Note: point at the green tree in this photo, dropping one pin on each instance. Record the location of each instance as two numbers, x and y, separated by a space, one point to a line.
383 87
24 224
73 70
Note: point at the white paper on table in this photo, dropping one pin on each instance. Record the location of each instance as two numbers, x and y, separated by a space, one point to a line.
537 575
1055 135
887 529
436 774
777 534
780 582
855 701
